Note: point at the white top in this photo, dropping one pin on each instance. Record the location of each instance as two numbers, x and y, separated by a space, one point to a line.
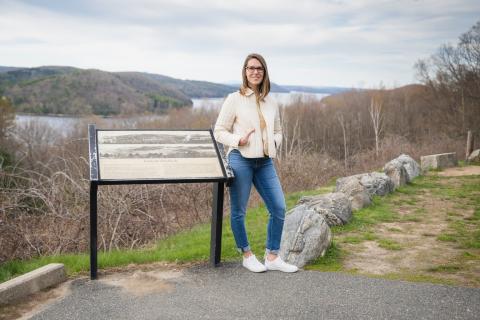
239 114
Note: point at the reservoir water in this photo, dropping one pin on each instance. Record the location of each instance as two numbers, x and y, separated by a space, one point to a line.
281 97
64 124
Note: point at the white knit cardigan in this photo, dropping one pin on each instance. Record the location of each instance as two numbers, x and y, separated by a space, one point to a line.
239 114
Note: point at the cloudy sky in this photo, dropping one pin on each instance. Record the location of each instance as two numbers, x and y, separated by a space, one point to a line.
357 43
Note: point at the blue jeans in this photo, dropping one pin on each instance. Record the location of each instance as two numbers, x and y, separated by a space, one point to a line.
261 172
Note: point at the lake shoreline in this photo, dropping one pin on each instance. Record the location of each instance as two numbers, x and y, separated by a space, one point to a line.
63 123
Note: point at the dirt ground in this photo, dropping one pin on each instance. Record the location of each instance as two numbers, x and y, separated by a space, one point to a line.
34 303
460 171
421 254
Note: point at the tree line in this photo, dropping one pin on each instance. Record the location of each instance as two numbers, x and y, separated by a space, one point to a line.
445 105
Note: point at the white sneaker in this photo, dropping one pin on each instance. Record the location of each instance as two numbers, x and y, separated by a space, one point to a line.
252 264
280 265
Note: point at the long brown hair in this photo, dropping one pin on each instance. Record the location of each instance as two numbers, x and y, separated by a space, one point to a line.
264 87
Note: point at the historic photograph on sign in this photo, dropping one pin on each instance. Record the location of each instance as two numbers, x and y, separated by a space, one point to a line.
134 155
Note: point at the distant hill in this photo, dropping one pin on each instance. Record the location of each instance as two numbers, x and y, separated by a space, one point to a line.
412 90
330 90
287 88
74 91
191 88
68 90
6 69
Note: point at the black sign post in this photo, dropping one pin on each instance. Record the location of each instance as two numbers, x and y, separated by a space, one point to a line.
154 141
216 226
93 229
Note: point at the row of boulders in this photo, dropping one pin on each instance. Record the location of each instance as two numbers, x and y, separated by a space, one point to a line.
306 232
361 188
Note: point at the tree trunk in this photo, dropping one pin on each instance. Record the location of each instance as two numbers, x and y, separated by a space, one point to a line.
469 144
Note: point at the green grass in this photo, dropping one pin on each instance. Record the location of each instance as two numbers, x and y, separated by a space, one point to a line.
444 268
359 237
453 214
464 231
466 255
447 237
410 218
73 264
415 277
379 211
389 244
331 261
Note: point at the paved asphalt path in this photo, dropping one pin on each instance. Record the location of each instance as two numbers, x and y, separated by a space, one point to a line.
231 292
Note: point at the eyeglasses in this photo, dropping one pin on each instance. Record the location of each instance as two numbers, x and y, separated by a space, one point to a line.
252 69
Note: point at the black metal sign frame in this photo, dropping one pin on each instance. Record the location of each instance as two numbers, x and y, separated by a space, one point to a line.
218 194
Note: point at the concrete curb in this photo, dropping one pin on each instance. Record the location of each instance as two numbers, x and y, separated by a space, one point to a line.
34 281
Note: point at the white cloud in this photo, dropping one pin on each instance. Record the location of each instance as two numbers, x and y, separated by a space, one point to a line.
305 41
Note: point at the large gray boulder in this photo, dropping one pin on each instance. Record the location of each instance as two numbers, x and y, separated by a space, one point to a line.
355 191
438 161
474 156
375 183
335 207
410 165
306 236
397 172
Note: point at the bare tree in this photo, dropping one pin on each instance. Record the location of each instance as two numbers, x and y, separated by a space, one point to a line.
453 74
341 120
376 114
7 117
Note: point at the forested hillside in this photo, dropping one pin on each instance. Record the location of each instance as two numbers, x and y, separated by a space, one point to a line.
67 90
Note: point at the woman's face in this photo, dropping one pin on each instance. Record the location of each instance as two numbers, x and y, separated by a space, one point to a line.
254 72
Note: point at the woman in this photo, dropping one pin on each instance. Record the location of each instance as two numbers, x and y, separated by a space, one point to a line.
249 124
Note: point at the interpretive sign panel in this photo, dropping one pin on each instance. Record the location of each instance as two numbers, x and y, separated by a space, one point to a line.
119 157
138 155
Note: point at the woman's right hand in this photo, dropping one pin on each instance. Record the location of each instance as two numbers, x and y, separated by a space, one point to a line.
244 140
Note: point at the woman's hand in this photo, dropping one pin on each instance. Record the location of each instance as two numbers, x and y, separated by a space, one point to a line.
244 140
